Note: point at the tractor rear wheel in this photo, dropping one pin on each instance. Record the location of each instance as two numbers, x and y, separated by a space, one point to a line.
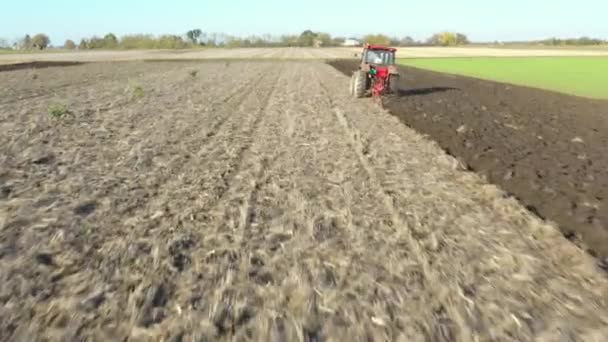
358 82
394 83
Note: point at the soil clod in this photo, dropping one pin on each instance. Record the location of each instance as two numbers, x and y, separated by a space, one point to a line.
45 258
85 209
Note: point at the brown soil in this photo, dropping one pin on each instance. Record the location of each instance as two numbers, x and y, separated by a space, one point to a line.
36 65
257 201
546 149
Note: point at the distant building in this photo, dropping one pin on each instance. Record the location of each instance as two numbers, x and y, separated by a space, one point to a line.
351 42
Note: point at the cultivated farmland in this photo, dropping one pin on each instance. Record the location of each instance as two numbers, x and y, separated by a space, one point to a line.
256 200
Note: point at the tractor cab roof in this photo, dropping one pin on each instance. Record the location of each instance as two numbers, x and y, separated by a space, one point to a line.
379 47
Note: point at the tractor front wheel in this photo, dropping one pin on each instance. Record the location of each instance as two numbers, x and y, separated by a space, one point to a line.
358 82
394 83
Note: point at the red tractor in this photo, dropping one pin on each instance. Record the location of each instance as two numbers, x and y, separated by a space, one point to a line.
377 72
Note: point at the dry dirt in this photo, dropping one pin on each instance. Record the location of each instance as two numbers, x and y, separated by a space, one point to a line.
285 53
258 201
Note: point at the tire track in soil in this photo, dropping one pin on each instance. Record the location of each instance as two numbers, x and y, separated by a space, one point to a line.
190 137
252 230
344 224
248 128
209 145
234 98
444 330
262 166
262 238
235 165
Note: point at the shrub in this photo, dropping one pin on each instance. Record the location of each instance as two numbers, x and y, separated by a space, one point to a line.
137 41
69 44
58 111
407 41
194 35
26 42
110 41
170 42
40 41
138 91
377 39
95 43
307 38
448 39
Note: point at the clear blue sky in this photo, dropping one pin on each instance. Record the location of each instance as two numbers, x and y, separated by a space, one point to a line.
481 20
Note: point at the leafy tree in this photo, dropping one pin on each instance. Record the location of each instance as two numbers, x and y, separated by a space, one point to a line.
394 41
377 39
95 43
40 41
194 35
573 41
110 41
324 38
211 39
307 38
461 39
448 39
435 39
289 40
407 41
69 44
233 42
337 41
138 41
84 44
26 42
171 42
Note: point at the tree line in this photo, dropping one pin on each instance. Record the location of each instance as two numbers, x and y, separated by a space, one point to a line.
39 41
573 41
198 38
308 38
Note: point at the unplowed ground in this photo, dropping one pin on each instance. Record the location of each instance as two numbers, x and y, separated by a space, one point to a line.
258 201
284 53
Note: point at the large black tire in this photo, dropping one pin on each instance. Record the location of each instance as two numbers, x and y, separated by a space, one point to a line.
358 82
394 84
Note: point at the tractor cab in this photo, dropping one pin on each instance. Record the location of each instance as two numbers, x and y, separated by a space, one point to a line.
378 55
377 72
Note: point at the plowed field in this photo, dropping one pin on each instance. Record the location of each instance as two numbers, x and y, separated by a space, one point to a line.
258 201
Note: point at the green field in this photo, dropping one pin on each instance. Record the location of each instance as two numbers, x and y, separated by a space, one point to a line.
582 76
